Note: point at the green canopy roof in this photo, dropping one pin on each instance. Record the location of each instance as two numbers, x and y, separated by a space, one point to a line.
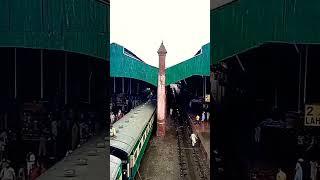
80 26
245 24
126 64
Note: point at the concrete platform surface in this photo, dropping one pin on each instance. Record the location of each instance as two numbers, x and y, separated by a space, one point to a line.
160 161
96 169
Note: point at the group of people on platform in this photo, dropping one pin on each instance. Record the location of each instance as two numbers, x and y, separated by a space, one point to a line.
304 170
41 140
120 106
205 116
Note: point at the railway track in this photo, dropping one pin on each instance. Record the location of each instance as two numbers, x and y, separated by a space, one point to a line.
192 164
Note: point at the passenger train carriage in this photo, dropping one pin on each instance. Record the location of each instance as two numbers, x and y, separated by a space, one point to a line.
115 168
133 132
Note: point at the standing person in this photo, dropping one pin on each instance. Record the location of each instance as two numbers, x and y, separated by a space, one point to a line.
208 115
257 132
2 149
203 116
127 104
193 138
35 172
119 114
8 173
112 117
75 136
171 110
281 175
298 170
42 145
313 170
21 173
197 119
54 135
4 143
4 136
31 159
42 168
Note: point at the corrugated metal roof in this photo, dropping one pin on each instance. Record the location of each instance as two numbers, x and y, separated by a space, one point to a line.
122 65
80 26
245 24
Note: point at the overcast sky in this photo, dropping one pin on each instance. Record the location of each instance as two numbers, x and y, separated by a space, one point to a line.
141 25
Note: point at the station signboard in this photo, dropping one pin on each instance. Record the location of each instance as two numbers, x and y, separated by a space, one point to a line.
312 115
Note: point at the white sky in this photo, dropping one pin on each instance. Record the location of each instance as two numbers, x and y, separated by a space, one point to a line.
141 25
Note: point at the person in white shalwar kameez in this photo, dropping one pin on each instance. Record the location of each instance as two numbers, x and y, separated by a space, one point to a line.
193 138
298 174
313 170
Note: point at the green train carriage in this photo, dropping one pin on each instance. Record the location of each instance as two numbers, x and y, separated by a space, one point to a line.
133 134
115 168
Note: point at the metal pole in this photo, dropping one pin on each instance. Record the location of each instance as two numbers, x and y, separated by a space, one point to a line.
305 76
89 90
122 85
114 85
138 88
41 69
15 73
130 86
205 86
299 92
65 79
275 98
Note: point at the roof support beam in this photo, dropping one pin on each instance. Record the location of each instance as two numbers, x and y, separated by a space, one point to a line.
240 63
305 76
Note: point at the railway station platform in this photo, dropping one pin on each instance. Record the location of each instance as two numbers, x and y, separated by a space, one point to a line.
161 161
202 130
87 162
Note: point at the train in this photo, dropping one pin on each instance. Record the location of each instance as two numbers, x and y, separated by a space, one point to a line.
115 168
131 137
82 163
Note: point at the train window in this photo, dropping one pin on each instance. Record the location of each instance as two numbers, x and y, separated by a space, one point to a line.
131 161
135 156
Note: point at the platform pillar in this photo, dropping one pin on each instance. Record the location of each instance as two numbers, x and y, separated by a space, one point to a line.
161 96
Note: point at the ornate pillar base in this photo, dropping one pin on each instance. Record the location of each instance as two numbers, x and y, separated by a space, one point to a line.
161 128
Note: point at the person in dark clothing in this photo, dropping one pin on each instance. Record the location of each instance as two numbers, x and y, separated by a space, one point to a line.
75 135
306 170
